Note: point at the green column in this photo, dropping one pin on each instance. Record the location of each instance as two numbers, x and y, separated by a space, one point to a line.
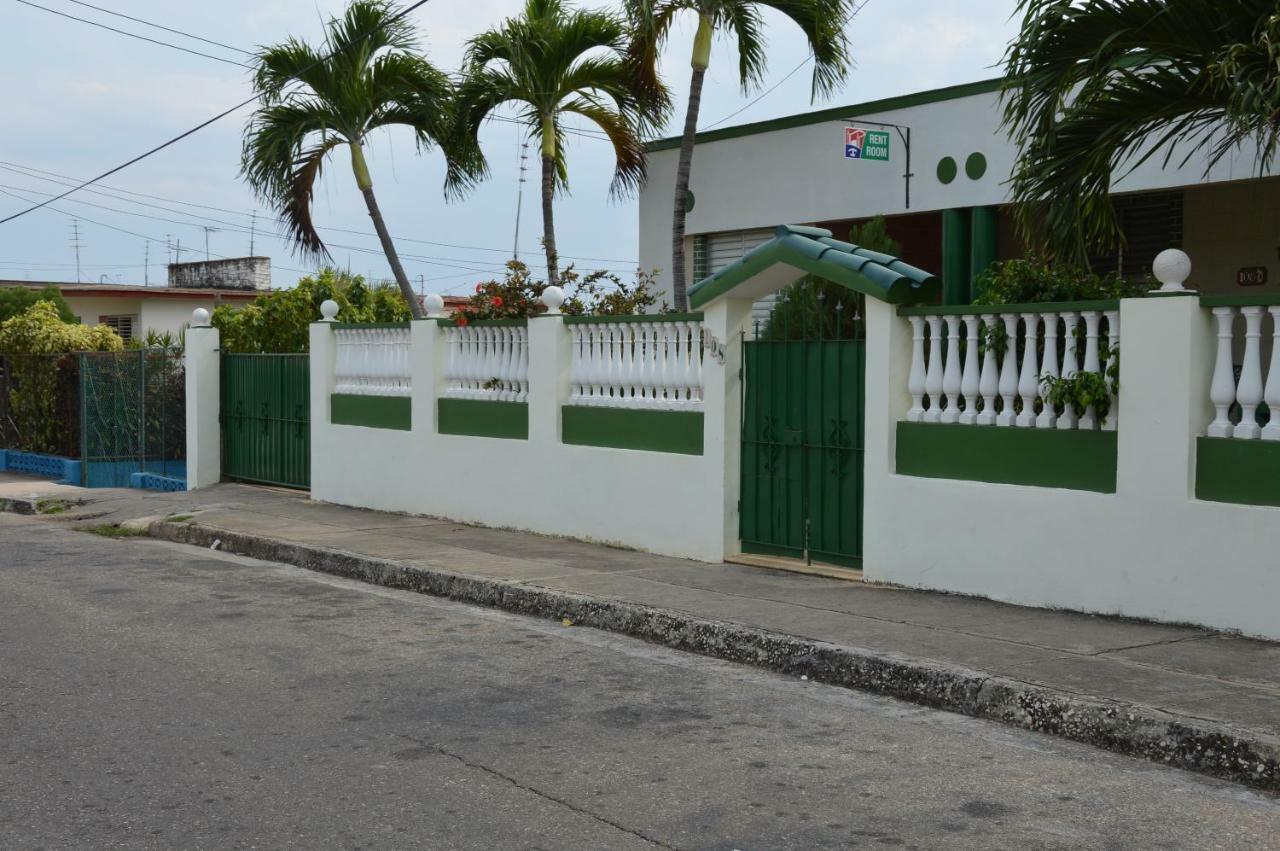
984 246
955 256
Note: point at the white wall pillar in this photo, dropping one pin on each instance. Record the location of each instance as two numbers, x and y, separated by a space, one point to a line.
204 401
887 400
426 365
1166 365
724 322
548 378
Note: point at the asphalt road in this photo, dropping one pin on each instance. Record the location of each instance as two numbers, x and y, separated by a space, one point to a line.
158 696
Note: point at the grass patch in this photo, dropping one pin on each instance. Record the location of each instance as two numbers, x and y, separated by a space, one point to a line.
111 530
178 518
52 506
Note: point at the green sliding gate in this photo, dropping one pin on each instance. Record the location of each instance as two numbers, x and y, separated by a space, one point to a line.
802 443
266 419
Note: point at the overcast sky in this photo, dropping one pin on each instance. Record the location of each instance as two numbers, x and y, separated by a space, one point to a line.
78 99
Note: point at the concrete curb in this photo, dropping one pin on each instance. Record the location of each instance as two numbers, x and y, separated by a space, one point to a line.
1240 755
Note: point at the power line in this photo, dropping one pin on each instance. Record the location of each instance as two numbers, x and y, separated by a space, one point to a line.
174 140
161 27
133 35
762 95
29 171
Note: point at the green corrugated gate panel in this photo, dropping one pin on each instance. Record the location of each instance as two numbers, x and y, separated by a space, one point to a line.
802 449
266 419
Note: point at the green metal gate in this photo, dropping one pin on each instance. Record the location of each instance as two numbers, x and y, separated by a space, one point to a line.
802 444
266 419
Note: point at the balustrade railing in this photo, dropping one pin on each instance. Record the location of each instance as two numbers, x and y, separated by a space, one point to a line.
372 361
993 365
1245 399
651 363
487 361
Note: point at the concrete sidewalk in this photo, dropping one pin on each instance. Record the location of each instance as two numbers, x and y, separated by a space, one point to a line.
1202 700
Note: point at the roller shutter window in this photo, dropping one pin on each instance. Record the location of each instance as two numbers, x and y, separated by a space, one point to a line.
724 248
1151 222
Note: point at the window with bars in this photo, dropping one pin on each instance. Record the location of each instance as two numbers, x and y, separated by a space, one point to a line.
701 268
123 324
1151 222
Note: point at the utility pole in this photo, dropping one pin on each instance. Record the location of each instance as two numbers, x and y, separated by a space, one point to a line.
177 251
75 244
524 167
253 231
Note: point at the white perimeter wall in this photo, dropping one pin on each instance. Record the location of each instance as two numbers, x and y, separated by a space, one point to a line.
1150 550
678 505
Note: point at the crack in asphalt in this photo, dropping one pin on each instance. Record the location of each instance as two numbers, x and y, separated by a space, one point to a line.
493 772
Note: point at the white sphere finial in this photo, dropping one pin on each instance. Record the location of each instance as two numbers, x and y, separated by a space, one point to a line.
199 318
1172 268
435 306
553 297
329 310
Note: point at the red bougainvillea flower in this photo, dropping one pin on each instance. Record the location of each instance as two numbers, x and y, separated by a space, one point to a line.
497 301
479 287
462 321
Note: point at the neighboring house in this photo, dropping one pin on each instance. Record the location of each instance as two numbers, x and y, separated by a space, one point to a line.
132 310
802 169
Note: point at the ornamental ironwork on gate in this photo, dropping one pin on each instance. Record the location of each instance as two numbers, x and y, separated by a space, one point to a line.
802 434
266 419
133 418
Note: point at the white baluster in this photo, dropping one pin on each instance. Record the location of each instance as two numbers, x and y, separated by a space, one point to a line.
933 372
915 381
668 345
1272 394
649 386
989 382
613 365
506 389
1113 356
1222 391
522 390
1249 393
1008 370
598 367
969 377
697 352
1048 417
951 372
575 364
1089 421
1069 418
626 373
1029 378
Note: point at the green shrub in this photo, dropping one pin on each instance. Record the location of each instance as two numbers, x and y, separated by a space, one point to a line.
1032 280
15 300
519 295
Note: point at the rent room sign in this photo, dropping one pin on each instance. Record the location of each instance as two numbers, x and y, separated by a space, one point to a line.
862 144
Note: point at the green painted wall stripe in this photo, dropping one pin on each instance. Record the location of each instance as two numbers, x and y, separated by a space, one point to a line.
483 418
1045 307
370 411
640 317
624 428
839 113
1049 458
1246 472
1258 300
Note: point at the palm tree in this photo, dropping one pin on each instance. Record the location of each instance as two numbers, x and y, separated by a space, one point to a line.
823 23
553 61
1104 86
369 76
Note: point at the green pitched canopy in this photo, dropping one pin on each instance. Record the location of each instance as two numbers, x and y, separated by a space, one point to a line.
796 251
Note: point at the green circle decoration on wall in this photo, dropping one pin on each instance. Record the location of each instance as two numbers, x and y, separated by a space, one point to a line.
975 166
688 200
946 170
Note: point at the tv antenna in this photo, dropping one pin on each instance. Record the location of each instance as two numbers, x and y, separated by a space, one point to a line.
524 167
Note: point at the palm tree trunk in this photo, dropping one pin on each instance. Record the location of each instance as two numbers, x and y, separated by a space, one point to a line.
548 192
701 58
388 247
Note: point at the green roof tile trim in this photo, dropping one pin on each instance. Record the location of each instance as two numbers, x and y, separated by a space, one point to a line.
812 250
1046 458
636 317
483 418
627 428
839 113
391 412
1245 472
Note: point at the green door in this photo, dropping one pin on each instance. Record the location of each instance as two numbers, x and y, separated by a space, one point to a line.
266 419
802 448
